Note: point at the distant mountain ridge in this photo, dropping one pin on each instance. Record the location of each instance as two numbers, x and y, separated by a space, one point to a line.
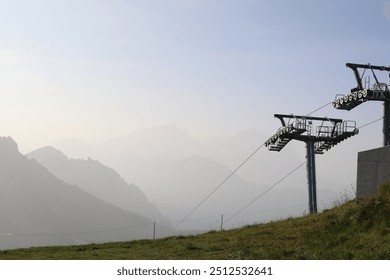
168 142
163 141
37 209
176 171
98 180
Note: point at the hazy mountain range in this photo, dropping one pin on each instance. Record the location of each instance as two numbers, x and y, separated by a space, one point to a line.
177 171
99 180
37 208
78 193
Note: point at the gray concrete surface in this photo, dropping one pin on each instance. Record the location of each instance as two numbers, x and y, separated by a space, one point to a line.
373 169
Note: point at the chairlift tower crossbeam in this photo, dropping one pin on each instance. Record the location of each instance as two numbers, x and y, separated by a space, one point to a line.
360 94
318 140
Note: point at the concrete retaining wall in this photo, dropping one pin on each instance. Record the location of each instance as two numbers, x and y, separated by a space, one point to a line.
373 169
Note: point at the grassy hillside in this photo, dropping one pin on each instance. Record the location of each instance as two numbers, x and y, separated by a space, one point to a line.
358 229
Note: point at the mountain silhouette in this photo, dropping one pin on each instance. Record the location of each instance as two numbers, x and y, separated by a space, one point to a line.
176 171
162 141
37 208
99 180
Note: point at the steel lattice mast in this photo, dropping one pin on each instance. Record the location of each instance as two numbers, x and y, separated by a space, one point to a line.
317 140
379 91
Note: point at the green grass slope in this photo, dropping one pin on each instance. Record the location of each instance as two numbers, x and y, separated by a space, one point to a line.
358 229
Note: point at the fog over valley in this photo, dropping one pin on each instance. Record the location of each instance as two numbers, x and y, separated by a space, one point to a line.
39 209
154 177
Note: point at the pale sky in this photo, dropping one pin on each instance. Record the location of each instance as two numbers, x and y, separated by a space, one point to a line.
96 69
